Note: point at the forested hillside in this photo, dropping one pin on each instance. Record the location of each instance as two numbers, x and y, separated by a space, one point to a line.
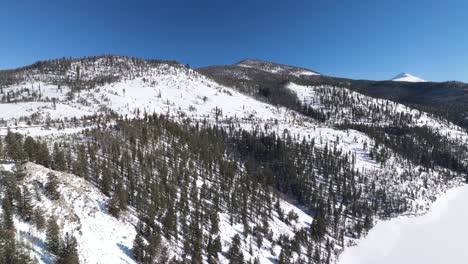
119 159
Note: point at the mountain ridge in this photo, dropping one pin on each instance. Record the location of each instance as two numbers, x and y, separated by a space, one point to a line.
248 163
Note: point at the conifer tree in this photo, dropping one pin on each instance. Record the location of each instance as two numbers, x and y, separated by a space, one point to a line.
7 223
25 208
53 237
68 252
114 206
81 164
30 148
234 254
39 219
52 186
59 159
139 248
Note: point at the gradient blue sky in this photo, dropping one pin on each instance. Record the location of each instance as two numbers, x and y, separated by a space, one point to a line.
368 39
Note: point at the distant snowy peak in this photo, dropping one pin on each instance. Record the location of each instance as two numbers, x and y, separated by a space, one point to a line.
406 77
275 67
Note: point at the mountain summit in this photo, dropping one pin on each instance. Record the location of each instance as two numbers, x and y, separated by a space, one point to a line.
406 77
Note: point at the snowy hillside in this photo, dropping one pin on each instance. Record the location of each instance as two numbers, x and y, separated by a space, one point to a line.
436 237
275 68
343 105
81 211
406 77
116 112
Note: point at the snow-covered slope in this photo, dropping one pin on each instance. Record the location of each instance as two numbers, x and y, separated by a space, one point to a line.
406 77
37 106
275 68
81 211
437 237
343 105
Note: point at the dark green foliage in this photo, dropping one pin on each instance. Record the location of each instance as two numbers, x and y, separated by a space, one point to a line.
52 186
59 162
24 206
169 222
318 227
11 251
114 206
234 254
160 182
14 147
7 216
81 163
53 237
446 99
30 148
39 219
180 177
68 252
417 144
139 248
213 248
153 251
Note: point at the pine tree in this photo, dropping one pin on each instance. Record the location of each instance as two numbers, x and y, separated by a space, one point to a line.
318 227
170 223
30 148
2 155
68 253
52 186
234 254
42 155
106 181
14 147
53 237
8 249
59 159
139 248
39 219
114 206
7 207
284 257
213 248
81 164
25 208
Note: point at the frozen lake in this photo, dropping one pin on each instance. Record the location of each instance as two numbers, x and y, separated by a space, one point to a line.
440 236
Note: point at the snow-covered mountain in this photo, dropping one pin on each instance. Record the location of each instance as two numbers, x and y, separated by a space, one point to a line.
100 104
275 68
406 77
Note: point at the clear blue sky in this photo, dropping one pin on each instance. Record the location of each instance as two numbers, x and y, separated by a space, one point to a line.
368 39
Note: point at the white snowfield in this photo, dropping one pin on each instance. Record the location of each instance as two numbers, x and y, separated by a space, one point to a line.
406 77
436 237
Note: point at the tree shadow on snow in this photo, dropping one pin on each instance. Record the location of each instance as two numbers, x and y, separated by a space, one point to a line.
44 256
125 250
